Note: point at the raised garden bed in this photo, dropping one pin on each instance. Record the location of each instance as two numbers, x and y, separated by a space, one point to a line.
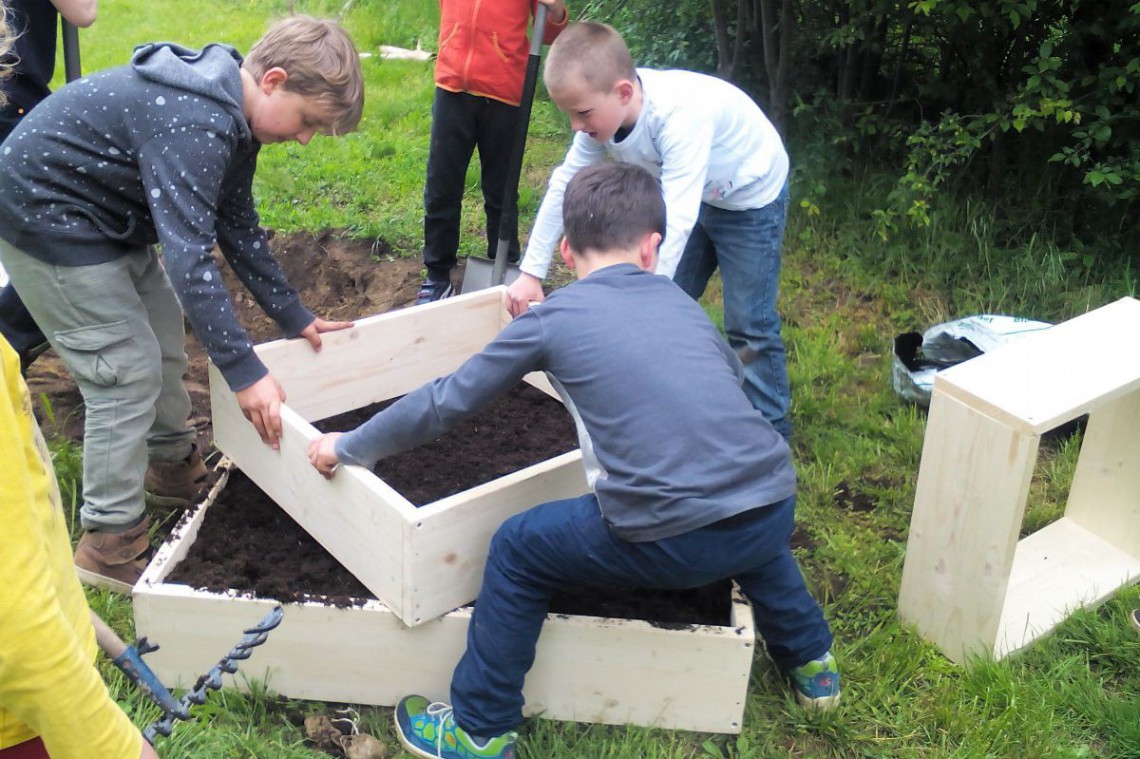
420 560
588 668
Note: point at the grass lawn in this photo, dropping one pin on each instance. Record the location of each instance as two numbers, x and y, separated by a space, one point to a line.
845 294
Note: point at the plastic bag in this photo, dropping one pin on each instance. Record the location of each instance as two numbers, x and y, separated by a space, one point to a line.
918 357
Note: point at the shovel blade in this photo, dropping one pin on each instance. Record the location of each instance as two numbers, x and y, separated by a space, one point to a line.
479 274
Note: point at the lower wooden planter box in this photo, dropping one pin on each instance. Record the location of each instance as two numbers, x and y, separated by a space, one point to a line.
588 669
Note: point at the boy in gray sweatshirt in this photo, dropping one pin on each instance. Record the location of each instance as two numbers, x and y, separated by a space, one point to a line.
162 150
690 484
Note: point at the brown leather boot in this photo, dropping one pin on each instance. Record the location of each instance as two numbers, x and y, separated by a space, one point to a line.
175 484
113 560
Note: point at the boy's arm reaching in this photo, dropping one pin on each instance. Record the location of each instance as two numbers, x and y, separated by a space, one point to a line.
244 244
431 410
548 224
183 200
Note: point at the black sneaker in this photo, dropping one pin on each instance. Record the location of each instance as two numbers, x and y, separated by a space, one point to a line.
431 291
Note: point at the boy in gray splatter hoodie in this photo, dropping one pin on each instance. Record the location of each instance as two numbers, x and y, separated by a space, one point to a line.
162 150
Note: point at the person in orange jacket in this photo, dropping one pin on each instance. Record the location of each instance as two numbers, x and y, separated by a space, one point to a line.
483 49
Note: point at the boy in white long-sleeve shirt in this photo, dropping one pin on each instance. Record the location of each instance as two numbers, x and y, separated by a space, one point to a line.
723 170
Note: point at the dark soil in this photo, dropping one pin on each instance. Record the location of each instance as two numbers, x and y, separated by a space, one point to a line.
247 543
520 429
851 498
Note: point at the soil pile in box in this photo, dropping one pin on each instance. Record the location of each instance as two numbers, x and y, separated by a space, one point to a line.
523 428
247 543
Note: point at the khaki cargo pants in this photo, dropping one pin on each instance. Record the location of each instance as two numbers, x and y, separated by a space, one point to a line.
118 327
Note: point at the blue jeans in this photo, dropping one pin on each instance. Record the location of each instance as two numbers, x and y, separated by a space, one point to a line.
745 245
567 544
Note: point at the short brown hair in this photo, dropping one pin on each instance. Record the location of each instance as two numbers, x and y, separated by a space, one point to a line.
7 40
322 63
590 54
611 206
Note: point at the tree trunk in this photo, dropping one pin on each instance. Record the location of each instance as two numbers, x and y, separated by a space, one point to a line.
725 60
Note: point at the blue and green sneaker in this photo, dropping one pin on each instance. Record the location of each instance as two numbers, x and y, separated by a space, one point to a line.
817 683
428 729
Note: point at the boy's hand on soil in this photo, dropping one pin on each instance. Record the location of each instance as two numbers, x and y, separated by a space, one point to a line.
322 454
312 333
522 291
261 405
148 751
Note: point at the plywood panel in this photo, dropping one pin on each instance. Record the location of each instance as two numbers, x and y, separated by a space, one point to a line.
1051 377
450 538
355 516
383 356
1105 493
587 668
970 498
1058 569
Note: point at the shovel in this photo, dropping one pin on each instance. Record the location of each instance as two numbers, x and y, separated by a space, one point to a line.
481 273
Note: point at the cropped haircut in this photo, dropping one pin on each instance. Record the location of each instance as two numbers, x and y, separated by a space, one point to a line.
612 206
322 63
588 54
7 41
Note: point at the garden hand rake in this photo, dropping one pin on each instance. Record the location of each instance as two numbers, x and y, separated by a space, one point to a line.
129 660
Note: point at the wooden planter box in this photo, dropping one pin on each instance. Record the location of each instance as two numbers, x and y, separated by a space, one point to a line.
421 562
968 583
587 669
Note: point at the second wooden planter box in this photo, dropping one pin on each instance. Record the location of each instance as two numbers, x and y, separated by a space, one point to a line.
420 562
588 669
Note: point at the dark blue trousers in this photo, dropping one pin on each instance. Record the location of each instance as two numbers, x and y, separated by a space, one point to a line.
16 324
568 544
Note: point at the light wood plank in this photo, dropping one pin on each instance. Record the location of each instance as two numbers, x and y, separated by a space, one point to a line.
1051 377
173 550
383 356
451 536
1104 497
972 487
355 516
587 668
1058 569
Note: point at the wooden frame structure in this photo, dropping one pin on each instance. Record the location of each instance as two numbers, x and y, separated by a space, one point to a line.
969 584
588 669
420 562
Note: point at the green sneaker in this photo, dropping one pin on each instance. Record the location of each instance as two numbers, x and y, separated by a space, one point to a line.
428 729
817 683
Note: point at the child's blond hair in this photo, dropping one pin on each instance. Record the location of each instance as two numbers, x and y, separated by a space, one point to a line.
322 63
588 54
7 40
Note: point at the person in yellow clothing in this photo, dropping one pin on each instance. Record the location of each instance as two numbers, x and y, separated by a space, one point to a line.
53 702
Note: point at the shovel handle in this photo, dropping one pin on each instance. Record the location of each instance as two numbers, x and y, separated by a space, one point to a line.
509 219
108 640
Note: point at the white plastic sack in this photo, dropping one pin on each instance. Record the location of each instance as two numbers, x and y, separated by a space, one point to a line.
917 358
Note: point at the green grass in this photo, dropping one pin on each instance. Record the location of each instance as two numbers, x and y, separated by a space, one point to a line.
845 293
